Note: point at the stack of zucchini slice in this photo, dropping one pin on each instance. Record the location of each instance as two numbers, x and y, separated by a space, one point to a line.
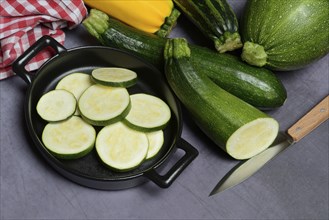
131 125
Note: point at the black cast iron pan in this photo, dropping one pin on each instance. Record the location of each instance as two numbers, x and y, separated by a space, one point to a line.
89 171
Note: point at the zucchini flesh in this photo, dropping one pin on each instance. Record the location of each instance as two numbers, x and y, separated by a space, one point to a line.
252 138
120 147
257 86
156 140
69 139
101 105
56 105
285 35
113 76
231 123
148 113
76 83
217 21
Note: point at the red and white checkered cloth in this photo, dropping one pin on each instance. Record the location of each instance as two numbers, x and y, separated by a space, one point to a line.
22 22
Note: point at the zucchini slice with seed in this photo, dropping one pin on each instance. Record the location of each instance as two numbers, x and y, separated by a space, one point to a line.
69 139
148 113
76 83
56 105
120 147
156 140
113 76
102 105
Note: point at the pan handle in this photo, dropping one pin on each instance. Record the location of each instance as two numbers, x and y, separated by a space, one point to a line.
20 63
167 179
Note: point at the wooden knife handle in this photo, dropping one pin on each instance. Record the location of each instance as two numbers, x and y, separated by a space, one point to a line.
310 121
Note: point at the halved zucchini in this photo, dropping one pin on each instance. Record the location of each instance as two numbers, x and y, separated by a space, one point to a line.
252 138
148 113
101 105
56 105
237 127
114 76
120 147
69 139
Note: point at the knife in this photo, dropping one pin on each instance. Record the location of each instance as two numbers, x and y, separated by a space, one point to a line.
295 133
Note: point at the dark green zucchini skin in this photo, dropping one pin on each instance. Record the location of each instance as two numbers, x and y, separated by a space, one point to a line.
257 86
218 113
291 33
215 19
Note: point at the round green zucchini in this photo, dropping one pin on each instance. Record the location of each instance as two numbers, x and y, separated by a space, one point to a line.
285 34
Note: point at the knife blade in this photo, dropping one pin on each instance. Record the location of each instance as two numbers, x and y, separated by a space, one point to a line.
245 169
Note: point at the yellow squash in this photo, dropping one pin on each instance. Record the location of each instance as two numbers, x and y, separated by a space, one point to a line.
152 16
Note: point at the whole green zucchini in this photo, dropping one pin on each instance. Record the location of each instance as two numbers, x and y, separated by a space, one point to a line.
285 34
216 20
237 127
257 86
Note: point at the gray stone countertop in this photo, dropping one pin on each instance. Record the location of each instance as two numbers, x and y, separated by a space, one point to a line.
292 186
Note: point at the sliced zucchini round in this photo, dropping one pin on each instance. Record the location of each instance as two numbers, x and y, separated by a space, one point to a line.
120 147
148 113
156 140
69 139
76 83
114 76
102 105
56 105
252 138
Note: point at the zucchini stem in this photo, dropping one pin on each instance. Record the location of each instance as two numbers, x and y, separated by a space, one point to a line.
168 24
228 42
254 54
96 23
177 48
